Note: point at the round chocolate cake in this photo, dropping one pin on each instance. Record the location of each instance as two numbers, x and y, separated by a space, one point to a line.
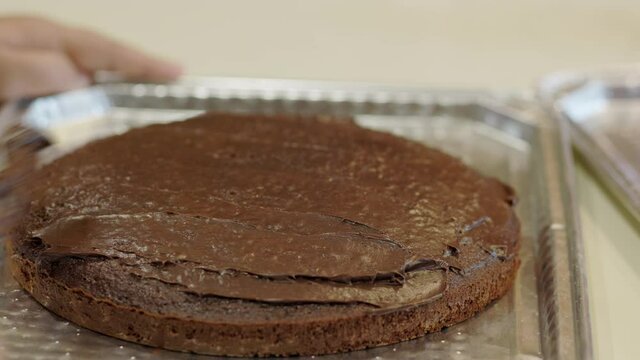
264 235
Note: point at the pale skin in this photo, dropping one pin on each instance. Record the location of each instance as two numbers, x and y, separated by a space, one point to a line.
40 57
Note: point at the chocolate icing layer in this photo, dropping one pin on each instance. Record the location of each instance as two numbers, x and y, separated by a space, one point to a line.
222 244
276 210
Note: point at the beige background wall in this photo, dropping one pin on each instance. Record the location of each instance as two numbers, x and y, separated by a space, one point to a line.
478 44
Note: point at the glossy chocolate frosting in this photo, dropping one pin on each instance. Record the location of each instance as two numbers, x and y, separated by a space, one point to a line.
275 209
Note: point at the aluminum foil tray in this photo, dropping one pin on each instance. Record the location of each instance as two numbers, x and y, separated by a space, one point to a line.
603 111
544 315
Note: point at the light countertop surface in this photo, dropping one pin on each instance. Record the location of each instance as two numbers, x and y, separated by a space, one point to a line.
464 44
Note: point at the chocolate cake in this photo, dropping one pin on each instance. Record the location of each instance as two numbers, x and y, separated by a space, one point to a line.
264 235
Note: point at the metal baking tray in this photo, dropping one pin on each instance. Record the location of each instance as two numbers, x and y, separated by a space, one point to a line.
602 108
545 314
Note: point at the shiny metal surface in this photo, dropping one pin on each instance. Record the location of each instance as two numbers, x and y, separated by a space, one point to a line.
603 109
543 316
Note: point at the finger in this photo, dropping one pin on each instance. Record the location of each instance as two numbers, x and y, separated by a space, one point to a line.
30 32
28 73
88 50
93 52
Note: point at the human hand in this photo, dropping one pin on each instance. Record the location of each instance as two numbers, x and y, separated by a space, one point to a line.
39 57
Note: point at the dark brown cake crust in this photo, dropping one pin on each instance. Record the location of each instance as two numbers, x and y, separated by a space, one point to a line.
454 230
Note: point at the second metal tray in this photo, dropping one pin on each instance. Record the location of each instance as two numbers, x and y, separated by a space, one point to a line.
602 108
543 316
